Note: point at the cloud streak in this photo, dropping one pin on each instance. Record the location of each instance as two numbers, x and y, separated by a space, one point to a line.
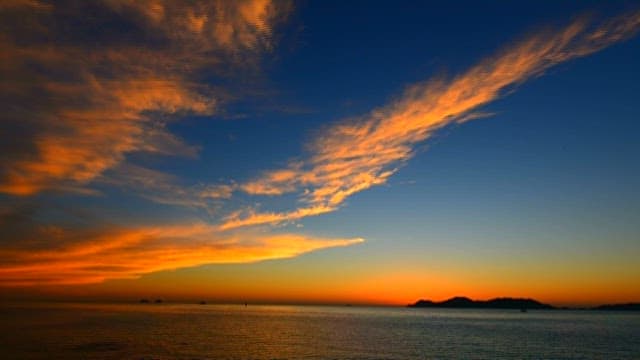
124 253
163 188
354 155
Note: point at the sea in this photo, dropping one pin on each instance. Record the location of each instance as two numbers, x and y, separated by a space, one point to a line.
236 331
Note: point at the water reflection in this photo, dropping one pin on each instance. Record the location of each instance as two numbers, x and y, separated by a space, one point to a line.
165 331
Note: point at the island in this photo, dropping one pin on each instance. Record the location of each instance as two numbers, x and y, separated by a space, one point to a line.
523 304
619 307
461 302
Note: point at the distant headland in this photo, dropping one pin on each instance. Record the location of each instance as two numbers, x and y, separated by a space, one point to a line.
619 307
497 303
461 302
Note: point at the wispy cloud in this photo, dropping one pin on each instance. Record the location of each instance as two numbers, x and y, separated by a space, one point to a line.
354 155
81 93
97 255
248 217
164 188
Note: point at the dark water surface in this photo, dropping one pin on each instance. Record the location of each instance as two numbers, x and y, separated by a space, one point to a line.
164 331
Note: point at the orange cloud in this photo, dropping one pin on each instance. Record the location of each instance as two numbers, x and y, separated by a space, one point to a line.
355 155
129 253
79 108
209 25
84 142
250 218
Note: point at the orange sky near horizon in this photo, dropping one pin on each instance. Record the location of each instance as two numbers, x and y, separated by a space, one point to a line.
316 279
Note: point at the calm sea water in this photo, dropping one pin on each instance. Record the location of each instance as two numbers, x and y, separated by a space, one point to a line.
150 331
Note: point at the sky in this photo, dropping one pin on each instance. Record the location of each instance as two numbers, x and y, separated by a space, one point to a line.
319 151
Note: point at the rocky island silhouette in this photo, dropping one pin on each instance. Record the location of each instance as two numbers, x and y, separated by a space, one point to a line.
461 302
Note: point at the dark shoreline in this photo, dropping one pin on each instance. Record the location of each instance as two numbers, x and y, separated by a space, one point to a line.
523 304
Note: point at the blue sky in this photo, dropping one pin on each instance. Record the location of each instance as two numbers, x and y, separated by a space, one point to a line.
539 190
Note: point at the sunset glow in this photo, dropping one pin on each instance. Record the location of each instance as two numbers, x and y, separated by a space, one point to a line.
284 152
